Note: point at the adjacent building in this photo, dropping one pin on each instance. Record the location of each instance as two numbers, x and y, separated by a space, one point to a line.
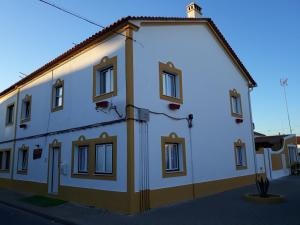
147 112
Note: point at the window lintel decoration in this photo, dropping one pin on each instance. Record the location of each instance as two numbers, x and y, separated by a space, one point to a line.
58 84
104 138
24 117
240 145
170 69
105 63
173 139
238 112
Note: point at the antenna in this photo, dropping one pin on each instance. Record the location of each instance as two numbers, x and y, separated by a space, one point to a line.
284 84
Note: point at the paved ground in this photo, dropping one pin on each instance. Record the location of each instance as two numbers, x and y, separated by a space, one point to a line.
228 208
14 216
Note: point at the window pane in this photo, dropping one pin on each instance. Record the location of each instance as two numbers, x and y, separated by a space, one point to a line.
172 157
83 159
109 158
7 160
106 81
10 114
100 158
58 96
24 160
170 85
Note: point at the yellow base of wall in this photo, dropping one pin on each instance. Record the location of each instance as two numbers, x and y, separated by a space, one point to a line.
118 201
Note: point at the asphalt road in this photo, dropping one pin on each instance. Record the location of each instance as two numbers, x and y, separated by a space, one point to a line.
12 216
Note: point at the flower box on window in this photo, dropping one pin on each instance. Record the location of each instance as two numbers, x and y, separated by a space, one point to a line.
103 104
174 106
239 120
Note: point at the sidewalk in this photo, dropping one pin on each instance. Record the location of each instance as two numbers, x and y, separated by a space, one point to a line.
67 213
227 208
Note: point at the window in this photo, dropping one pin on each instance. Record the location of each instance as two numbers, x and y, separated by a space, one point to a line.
23 159
104 158
240 155
170 81
173 156
83 159
105 79
10 114
170 85
58 95
4 160
26 109
236 103
95 158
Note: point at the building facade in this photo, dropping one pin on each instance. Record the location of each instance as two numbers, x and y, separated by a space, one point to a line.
149 111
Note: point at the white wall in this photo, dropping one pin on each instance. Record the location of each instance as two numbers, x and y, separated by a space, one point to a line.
208 75
79 110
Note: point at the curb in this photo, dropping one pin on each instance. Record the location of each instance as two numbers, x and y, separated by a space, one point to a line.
37 213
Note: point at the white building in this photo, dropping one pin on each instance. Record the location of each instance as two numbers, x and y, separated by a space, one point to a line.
147 112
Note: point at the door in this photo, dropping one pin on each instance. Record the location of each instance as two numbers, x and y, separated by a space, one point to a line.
53 174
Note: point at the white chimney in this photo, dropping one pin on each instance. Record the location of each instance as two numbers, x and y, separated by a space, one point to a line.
193 10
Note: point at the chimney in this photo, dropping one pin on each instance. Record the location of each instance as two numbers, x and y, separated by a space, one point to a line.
193 10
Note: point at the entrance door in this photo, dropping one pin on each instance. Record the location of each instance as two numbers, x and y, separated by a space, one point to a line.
53 173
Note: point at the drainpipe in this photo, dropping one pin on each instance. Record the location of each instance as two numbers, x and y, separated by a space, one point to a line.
15 134
252 130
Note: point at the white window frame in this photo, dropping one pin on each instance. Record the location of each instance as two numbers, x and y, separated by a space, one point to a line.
105 76
171 85
23 165
10 114
107 162
3 163
79 168
173 157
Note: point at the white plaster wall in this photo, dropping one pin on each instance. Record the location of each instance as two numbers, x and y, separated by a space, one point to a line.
7 132
260 161
208 75
79 110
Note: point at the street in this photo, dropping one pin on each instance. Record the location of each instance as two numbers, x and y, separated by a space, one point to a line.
14 216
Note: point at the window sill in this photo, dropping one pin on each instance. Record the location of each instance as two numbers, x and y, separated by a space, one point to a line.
23 172
95 176
4 171
173 174
26 120
172 99
104 96
55 109
236 115
241 167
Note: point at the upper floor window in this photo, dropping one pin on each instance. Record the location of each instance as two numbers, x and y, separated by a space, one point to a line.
240 155
10 114
173 156
236 103
26 109
58 95
105 79
170 82
4 160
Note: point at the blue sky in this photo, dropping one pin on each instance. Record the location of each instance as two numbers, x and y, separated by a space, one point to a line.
264 34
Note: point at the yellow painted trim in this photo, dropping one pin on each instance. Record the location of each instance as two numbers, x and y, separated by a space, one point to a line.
59 83
14 113
104 64
27 98
237 144
173 139
133 201
91 143
234 93
276 162
170 68
23 148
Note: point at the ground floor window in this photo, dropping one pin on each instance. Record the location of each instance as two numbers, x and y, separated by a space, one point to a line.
95 158
23 159
4 160
173 156
240 155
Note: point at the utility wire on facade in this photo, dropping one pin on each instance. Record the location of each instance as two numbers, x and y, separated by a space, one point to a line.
85 19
